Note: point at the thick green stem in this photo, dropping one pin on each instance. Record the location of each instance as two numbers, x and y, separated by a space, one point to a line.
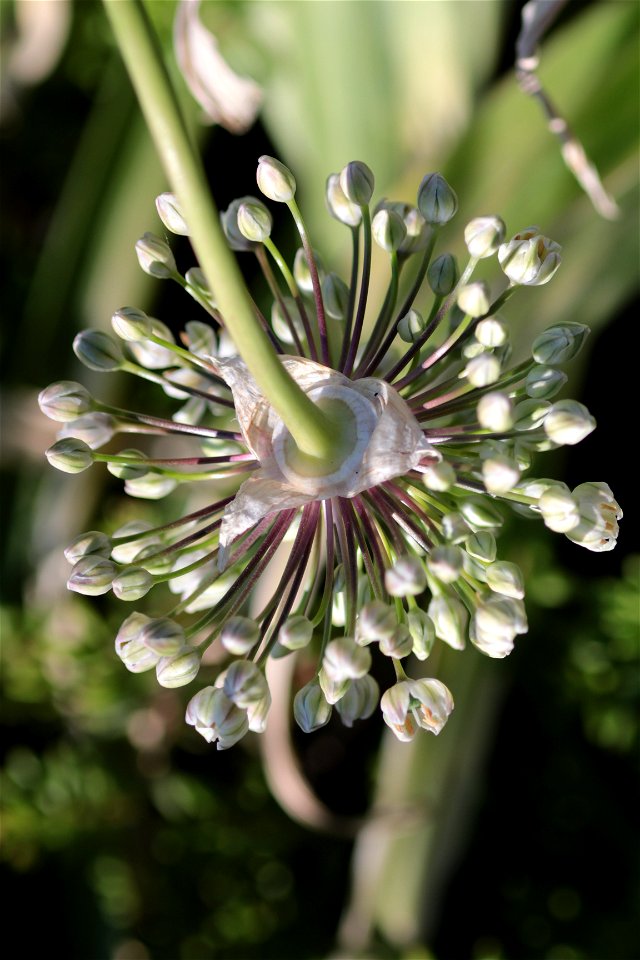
313 432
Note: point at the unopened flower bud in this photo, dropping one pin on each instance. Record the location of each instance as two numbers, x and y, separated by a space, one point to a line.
155 257
344 659
529 258
94 429
454 527
339 206
310 708
136 657
495 412
530 414
171 215
399 644
357 182
411 326
449 616
474 299
70 455
258 712
491 332
499 473
423 633
505 578
65 401
92 576
388 230
359 701
180 669
481 546
335 295
150 486
376 620
440 476
481 514
132 583
275 180
495 624
129 471
239 635
88 544
405 578
568 422
229 220
302 271
483 370
199 288
437 201
559 510
98 351
216 717
162 635
442 274
245 683
445 563
542 383
560 343
296 632
483 236
254 221
132 324
332 689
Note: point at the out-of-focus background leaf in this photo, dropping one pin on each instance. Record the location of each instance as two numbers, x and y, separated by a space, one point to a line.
512 834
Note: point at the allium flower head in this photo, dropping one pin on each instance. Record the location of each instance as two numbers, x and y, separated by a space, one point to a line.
392 544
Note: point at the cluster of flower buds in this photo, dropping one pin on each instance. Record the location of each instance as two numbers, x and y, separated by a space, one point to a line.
396 548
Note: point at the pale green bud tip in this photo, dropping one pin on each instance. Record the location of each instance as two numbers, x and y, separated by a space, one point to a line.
449 616
560 343
180 669
239 635
344 659
335 295
568 422
495 624
474 300
544 382
529 258
275 180
302 271
357 182
359 701
229 219
216 717
132 324
445 563
98 351
86 544
442 274
245 683
388 230
132 584
295 633
338 204
375 622
481 546
495 412
70 455
411 326
481 514
405 578
254 221
423 633
92 576
437 202
171 215
155 257
310 709
483 236
506 578
64 401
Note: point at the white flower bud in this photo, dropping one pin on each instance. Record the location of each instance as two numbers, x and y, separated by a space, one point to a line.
280 324
132 324
310 709
500 474
151 486
376 621
495 412
405 578
359 701
344 659
559 510
216 717
437 202
505 578
296 632
483 236
155 257
92 576
332 689
180 669
275 180
339 206
491 332
388 230
399 644
439 476
542 383
229 220
481 514
65 401
483 370
239 635
335 295
423 633
474 299
163 636
245 683
98 351
152 355
125 552
132 584
529 258
133 653
254 221
70 455
258 712
128 471
481 546
445 563
88 544
495 624
449 616
94 429
454 527
568 422
560 343
442 275
171 215
357 182
302 271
